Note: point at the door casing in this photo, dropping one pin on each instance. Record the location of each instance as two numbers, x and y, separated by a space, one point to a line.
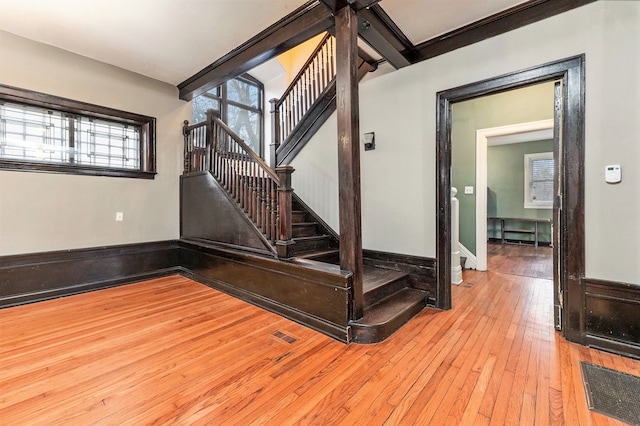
571 174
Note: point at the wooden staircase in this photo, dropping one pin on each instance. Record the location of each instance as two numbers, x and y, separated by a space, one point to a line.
289 229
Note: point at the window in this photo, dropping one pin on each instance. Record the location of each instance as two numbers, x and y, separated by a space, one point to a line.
538 181
239 103
45 133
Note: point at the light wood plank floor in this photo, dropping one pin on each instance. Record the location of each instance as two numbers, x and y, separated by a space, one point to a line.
171 351
524 259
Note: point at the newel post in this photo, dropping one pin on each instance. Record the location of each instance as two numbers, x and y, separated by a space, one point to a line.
209 139
275 133
188 146
284 245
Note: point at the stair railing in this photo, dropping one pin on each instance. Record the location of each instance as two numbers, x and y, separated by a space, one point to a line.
308 85
212 146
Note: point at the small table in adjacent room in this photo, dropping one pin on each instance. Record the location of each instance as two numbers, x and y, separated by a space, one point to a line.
504 229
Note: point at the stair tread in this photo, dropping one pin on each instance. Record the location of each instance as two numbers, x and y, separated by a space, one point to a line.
318 253
373 277
392 307
311 238
304 223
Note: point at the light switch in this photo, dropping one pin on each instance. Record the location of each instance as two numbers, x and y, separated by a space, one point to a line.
468 189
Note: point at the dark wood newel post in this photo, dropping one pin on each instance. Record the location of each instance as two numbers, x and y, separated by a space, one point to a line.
209 138
275 132
284 245
348 115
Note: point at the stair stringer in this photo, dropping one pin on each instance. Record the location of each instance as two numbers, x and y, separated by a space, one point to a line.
207 212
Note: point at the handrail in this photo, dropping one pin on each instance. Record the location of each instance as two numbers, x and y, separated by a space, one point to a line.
308 86
212 146
247 149
304 68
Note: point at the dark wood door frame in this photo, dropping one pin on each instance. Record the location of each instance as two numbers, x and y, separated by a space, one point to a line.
571 174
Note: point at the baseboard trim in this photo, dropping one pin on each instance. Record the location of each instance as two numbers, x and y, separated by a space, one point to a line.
612 316
35 277
471 262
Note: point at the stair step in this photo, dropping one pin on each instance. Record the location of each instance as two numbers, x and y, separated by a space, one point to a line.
382 319
304 229
379 283
314 243
324 255
298 216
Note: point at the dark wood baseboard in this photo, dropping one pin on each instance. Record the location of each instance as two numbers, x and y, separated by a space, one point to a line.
28 278
421 270
612 316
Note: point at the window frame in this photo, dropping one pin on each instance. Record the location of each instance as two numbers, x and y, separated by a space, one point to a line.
528 161
147 166
224 102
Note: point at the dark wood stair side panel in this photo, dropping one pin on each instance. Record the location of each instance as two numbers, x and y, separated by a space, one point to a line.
207 212
316 296
384 318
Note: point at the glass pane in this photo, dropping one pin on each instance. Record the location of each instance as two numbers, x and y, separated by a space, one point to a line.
200 106
244 93
107 144
33 134
245 124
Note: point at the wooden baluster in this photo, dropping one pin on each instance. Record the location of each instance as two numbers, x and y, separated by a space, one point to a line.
274 211
285 243
275 132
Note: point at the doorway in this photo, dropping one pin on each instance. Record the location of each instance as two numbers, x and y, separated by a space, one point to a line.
568 209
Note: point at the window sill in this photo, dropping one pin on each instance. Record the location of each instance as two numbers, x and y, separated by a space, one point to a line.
27 166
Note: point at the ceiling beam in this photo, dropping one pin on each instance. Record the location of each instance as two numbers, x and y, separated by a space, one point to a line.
507 20
308 21
335 5
383 35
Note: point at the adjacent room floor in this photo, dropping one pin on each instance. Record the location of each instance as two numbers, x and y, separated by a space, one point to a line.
172 351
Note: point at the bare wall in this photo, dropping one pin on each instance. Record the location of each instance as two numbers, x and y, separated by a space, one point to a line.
399 177
44 211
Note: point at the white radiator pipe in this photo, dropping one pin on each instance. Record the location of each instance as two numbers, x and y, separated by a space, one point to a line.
456 269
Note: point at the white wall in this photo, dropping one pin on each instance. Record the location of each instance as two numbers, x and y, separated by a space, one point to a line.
43 211
399 177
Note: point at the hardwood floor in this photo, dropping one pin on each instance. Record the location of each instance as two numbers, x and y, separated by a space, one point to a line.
525 260
171 351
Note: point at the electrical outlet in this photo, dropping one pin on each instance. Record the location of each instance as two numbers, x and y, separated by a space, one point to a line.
119 216
468 189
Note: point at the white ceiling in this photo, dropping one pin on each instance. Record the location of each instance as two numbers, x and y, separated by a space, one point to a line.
171 40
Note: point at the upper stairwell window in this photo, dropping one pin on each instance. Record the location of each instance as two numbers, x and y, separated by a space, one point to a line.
239 103
49 134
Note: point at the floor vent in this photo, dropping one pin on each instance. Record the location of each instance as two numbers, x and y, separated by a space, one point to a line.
284 337
468 285
612 393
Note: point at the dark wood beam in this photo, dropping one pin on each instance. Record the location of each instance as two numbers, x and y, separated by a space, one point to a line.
348 116
382 34
304 23
507 20
335 5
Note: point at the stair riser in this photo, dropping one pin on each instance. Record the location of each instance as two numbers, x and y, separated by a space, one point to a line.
302 246
298 217
304 231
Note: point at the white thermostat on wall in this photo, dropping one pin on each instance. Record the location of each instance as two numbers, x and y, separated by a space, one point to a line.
612 174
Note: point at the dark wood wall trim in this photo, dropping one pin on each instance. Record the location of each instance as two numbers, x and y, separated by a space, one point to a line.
318 296
307 21
421 270
612 316
505 21
34 277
